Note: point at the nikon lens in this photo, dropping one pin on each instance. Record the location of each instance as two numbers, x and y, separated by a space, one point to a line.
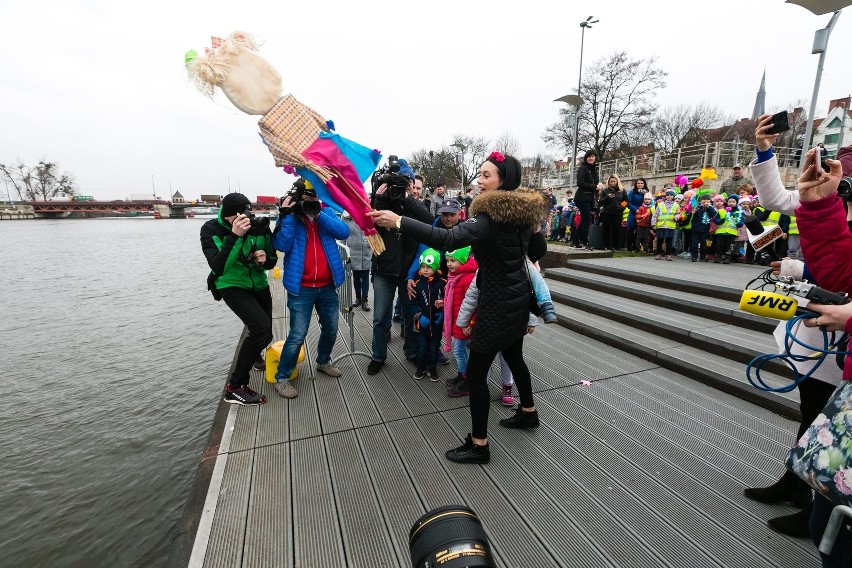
449 537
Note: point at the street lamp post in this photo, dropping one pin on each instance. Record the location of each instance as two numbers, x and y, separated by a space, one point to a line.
575 100
820 46
462 149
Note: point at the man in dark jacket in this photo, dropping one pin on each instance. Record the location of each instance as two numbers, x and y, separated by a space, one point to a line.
239 254
390 270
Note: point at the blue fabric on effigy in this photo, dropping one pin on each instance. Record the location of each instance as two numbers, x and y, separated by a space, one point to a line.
362 158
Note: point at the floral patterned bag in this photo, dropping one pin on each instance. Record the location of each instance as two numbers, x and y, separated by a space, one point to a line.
823 455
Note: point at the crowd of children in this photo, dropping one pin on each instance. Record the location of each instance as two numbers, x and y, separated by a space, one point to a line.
685 219
446 315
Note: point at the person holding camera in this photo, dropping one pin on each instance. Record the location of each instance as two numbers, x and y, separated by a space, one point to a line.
238 248
501 229
306 234
815 391
613 198
827 244
392 186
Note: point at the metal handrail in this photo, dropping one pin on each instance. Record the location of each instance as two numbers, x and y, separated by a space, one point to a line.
683 160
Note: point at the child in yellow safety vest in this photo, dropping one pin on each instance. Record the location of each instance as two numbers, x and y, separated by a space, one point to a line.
793 250
729 218
663 219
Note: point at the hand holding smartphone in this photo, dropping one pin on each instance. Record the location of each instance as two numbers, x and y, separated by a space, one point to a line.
817 173
780 123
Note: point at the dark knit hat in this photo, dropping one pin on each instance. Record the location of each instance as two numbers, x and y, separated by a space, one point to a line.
234 203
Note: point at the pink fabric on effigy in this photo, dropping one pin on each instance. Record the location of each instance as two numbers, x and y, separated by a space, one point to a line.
325 153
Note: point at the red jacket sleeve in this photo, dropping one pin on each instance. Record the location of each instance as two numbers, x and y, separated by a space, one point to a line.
826 242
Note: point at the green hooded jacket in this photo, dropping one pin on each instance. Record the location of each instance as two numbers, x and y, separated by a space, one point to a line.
228 255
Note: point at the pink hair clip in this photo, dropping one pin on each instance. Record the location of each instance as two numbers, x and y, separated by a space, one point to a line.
497 156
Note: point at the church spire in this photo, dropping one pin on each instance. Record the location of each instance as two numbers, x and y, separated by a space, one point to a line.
760 101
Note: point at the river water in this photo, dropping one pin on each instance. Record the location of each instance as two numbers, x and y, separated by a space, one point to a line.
112 359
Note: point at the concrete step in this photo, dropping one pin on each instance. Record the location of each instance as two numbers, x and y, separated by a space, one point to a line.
705 305
729 280
712 367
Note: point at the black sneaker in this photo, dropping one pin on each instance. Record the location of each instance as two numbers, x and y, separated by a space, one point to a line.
469 453
451 383
443 359
374 367
243 395
420 373
521 419
460 389
395 318
260 364
433 375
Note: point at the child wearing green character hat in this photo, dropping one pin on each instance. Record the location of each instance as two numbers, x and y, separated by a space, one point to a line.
429 319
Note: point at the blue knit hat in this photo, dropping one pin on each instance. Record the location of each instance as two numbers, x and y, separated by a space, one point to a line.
405 169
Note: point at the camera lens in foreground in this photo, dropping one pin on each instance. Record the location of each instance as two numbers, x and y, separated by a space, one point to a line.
449 537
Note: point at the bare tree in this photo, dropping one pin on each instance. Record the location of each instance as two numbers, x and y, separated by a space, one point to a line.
37 183
475 151
672 126
447 165
437 166
619 103
536 168
507 144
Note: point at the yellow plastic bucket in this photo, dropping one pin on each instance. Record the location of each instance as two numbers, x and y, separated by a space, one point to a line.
273 355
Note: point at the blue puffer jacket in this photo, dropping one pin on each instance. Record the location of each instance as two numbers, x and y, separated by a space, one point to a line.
291 238
634 201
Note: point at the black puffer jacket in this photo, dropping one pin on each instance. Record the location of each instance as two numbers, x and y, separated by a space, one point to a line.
498 231
587 182
399 249
611 200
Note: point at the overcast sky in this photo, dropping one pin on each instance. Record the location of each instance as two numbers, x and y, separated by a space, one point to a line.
100 87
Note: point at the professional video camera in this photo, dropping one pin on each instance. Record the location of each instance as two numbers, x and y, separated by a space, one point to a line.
297 195
389 174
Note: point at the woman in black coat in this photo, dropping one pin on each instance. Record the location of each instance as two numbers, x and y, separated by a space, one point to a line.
588 183
502 222
611 203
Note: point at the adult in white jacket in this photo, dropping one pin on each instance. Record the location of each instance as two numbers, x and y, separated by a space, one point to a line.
815 391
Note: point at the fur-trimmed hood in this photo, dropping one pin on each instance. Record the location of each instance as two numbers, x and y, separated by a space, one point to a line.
522 207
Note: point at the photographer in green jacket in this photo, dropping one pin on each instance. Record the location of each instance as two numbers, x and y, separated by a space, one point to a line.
239 250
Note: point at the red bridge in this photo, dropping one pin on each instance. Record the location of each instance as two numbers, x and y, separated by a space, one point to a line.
104 206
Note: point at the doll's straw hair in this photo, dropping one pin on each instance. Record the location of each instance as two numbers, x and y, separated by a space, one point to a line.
209 71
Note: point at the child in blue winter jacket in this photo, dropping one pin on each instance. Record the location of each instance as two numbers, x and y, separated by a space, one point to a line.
429 319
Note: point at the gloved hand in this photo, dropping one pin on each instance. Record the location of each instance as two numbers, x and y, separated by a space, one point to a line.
423 321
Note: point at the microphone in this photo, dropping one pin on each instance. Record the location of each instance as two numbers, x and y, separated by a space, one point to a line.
768 304
761 238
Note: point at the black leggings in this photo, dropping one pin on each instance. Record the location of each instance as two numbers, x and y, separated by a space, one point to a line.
611 225
477 373
581 234
668 242
813 396
255 311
